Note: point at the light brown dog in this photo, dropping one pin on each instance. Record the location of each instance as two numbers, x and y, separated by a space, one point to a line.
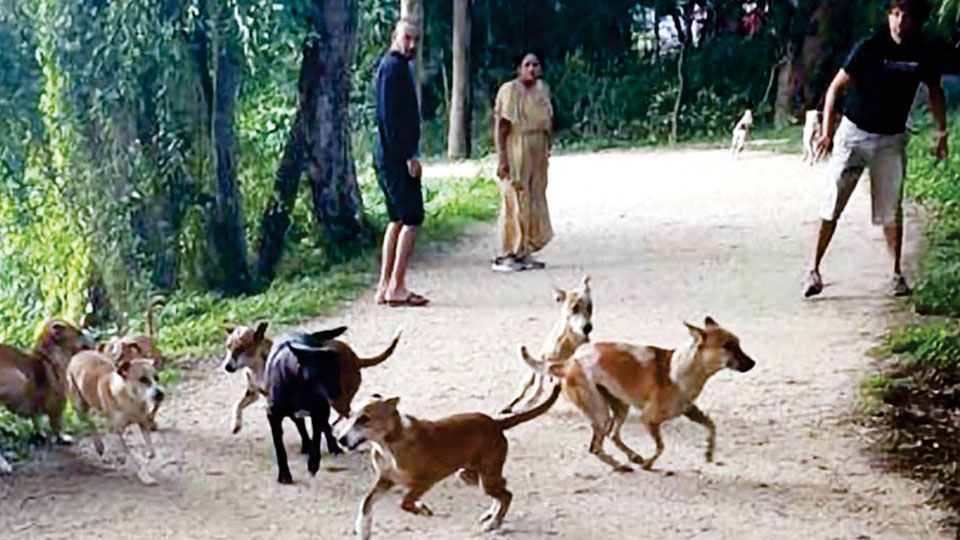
571 330
247 349
138 346
123 395
416 454
32 382
605 379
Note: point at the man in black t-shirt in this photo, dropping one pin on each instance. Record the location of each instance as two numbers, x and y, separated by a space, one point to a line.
882 74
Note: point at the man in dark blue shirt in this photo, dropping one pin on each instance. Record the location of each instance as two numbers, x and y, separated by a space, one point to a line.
883 73
398 169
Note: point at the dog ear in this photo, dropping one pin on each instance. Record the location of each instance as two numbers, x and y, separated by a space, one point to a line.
559 295
697 333
120 350
710 323
391 403
124 368
261 331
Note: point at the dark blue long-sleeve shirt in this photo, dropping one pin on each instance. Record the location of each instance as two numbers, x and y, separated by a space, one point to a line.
398 112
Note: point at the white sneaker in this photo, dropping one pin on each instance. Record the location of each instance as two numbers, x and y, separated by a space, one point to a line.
507 264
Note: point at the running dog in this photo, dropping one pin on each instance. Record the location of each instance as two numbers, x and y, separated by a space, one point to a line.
138 346
247 349
811 130
416 454
571 330
303 378
123 394
741 131
605 379
32 382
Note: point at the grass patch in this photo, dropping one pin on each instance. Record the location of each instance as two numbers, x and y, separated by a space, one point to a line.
913 403
191 324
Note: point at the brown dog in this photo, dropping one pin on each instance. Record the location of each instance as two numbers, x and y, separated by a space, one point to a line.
138 346
247 349
605 379
416 454
571 330
32 382
123 394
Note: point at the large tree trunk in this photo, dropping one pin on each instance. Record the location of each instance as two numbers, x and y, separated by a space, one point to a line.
786 84
276 218
326 95
458 138
230 249
413 10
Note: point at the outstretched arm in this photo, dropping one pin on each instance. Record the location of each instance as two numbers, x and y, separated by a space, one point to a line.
837 87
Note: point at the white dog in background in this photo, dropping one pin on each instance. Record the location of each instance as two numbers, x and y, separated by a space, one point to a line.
811 130
740 133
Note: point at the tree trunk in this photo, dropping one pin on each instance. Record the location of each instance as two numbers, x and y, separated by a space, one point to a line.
326 97
675 117
230 252
276 218
458 138
413 10
786 84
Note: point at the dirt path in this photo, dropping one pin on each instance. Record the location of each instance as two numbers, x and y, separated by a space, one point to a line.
666 236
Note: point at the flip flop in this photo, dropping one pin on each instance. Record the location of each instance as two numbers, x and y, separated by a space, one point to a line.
412 300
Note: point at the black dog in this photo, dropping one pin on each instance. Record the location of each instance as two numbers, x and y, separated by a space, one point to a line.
303 377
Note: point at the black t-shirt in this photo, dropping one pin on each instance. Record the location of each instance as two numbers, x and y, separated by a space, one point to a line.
885 78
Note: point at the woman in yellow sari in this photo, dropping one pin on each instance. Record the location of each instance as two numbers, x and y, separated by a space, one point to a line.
523 125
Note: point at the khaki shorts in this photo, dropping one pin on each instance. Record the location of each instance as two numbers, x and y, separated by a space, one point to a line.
885 157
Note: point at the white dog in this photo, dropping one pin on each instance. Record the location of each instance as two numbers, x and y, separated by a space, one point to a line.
740 133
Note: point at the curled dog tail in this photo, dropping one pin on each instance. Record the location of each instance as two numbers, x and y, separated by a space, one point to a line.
530 414
372 361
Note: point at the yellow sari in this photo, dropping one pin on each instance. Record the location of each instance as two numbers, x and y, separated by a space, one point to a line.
524 223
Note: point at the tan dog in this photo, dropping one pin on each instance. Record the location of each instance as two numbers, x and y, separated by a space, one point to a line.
138 346
571 330
123 395
605 379
32 382
247 349
416 454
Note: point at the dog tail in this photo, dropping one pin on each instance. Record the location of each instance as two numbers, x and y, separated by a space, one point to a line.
372 361
535 364
530 414
155 302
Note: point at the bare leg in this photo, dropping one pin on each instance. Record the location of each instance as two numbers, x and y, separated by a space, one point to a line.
397 288
388 256
698 416
365 514
894 236
823 241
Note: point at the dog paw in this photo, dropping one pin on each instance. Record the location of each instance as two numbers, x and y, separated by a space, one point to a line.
623 469
285 478
423 509
636 458
334 449
647 464
236 428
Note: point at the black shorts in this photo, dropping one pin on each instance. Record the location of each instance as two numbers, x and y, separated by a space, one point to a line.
402 191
